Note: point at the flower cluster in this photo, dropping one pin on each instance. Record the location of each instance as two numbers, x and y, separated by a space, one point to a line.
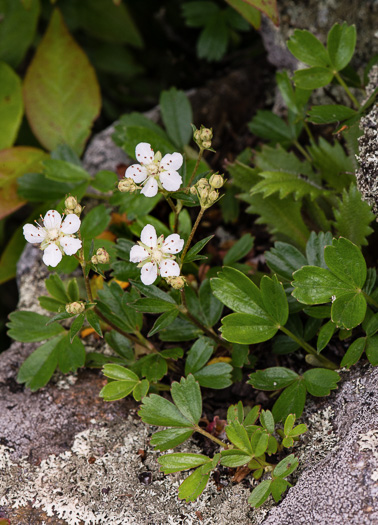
153 171
56 237
156 255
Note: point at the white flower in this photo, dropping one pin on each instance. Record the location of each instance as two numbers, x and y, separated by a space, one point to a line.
154 170
55 236
156 255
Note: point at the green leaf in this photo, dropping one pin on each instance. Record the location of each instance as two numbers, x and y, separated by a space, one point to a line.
50 304
211 307
259 442
213 40
197 13
336 168
273 378
179 461
353 217
187 397
238 436
17 29
177 115
291 401
325 334
120 344
11 105
372 350
172 353
341 43
315 248
52 99
71 356
239 250
105 181
248 12
28 327
313 285
73 290
354 352
141 390
267 420
156 410
260 494
153 306
307 48
198 355
154 367
38 368
282 216
269 126
234 458
278 487
247 328
285 259
312 78
193 486
346 261
180 330
298 430
153 292
95 222
116 390
62 171
274 299
216 375
120 373
171 438
163 321
372 325
194 250
320 381
238 292
286 466
10 255
330 113
348 310
289 423
285 184
76 326
55 287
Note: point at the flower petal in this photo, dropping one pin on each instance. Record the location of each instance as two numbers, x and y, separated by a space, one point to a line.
144 153
150 189
149 273
136 172
173 244
71 223
148 236
169 268
172 162
33 234
70 245
52 255
138 254
52 219
171 180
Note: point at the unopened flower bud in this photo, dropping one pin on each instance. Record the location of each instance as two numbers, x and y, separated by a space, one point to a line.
206 144
206 134
101 257
78 209
176 282
216 181
202 183
197 135
127 185
213 196
203 193
193 190
70 203
75 308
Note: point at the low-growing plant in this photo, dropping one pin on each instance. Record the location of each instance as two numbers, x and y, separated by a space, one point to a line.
166 318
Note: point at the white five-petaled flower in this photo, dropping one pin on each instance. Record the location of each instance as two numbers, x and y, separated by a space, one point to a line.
55 236
156 255
152 167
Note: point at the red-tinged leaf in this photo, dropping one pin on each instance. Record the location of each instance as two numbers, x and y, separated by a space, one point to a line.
14 162
268 7
61 91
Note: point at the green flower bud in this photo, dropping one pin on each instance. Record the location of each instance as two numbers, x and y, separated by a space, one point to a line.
101 257
78 209
176 282
213 196
127 185
206 144
203 193
216 181
70 203
206 134
75 308
193 190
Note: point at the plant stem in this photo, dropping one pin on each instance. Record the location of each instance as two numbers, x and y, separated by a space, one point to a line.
347 90
309 349
196 166
308 131
198 220
302 150
213 438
